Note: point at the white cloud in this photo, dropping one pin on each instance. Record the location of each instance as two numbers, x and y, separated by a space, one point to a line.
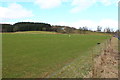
7 22
82 23
45 4
33 20
108 2
79 5
109 23
77 24
91 24
17 0
14 11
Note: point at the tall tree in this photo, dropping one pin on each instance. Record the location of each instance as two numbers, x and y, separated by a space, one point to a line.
99 29
7 28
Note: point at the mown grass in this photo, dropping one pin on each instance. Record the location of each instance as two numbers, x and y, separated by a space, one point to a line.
39 55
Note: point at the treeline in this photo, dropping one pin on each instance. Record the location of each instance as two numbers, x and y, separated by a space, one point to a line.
26 26
31 26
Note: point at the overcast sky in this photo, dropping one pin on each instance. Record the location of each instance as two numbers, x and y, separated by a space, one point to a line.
74 13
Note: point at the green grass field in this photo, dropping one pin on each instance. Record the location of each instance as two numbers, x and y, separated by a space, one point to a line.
38 55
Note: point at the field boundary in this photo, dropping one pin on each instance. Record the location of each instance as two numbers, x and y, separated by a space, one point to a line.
75 70
106 64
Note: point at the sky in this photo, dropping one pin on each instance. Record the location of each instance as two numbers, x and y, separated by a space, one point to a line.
73 13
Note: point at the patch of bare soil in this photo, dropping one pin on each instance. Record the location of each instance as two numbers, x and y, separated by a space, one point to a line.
106 64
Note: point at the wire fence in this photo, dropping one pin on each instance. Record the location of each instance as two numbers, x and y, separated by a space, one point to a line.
82 66
96 69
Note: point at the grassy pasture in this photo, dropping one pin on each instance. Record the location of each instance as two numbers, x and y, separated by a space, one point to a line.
38 55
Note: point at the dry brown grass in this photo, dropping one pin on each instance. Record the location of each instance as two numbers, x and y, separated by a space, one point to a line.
106 65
